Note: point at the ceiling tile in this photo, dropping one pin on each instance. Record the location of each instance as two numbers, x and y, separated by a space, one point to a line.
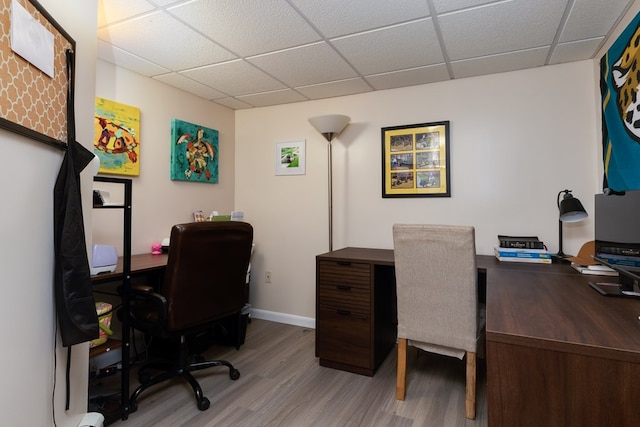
443 6
188 85
501 27
110 11
235 78
412 77
232 103
521 60
248 27
126 60
392 48
158 37
335 18
311 64
329 90
163 3
575 51
277 97
592 18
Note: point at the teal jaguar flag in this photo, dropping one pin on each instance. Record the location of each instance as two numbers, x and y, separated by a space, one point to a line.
619 85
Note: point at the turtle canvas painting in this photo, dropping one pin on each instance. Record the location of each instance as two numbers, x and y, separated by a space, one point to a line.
194 152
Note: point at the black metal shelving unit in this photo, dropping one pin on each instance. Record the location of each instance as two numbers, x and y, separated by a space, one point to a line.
125 289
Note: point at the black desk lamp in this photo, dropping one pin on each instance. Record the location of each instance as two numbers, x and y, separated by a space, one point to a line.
571 210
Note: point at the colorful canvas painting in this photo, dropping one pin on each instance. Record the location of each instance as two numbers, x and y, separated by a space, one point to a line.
194 152
117 137
619 85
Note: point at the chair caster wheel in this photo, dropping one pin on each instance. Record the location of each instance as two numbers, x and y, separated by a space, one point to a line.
203 404
234 374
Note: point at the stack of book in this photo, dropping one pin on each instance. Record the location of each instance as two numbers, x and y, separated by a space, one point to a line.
522 249
624 261
594 269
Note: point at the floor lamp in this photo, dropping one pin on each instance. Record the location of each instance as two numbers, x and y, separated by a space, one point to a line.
330 126
571 210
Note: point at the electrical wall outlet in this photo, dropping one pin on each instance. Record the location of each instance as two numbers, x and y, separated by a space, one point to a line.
267 277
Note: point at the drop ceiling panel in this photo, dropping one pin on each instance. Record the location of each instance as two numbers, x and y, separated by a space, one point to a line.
411 77
189 85
278 97
161 39
443 6
393 48
329 90
592 18
501 27
233 103
499 63
575 51
126 60
265 26
316 63
335 18
110 11
234 78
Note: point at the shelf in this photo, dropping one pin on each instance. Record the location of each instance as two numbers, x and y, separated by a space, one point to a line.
124 275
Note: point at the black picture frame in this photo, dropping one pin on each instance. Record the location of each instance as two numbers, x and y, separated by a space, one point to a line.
36 104
416 160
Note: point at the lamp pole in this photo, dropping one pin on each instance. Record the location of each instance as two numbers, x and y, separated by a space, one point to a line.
330 191
330 126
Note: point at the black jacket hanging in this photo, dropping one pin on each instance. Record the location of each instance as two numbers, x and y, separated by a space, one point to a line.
75 304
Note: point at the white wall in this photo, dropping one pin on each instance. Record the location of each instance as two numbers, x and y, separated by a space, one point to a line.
27 316
517 139
158 202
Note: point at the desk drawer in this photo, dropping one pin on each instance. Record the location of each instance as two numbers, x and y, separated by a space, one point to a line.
344 338
339 273
344 297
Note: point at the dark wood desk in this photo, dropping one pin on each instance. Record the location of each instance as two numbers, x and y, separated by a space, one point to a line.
558 353
140 265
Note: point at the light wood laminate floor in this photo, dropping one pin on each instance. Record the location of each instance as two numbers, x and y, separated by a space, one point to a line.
281 384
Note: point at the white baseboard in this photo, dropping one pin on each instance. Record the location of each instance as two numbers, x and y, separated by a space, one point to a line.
289 319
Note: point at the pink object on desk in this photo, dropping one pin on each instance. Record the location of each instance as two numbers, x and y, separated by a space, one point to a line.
156 249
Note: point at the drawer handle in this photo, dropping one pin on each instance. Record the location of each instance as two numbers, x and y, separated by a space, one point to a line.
343 312
343 287
343 263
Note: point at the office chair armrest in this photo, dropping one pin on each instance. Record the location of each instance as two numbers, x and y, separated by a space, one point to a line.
148 309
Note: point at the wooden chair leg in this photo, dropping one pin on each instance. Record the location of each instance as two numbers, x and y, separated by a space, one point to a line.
401 379
470 395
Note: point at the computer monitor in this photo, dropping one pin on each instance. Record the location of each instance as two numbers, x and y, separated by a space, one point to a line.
617 229
629 281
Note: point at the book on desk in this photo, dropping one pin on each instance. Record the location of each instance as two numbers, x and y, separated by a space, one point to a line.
594 270
539 256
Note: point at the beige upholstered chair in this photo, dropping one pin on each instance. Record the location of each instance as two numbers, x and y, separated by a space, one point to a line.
438 308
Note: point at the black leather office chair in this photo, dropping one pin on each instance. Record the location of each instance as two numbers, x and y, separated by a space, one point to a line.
204 282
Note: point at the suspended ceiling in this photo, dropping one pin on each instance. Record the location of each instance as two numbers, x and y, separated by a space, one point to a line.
253 53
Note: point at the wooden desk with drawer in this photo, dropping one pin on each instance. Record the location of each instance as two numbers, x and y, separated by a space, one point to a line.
355 309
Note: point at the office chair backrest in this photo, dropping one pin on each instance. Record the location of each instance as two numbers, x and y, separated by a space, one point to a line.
436 280
206 272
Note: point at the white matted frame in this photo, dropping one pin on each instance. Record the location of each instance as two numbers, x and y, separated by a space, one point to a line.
290 158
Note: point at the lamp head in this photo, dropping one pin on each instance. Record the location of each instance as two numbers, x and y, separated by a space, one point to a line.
571 210
330 125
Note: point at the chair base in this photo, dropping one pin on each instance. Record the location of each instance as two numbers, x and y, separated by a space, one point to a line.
181 369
